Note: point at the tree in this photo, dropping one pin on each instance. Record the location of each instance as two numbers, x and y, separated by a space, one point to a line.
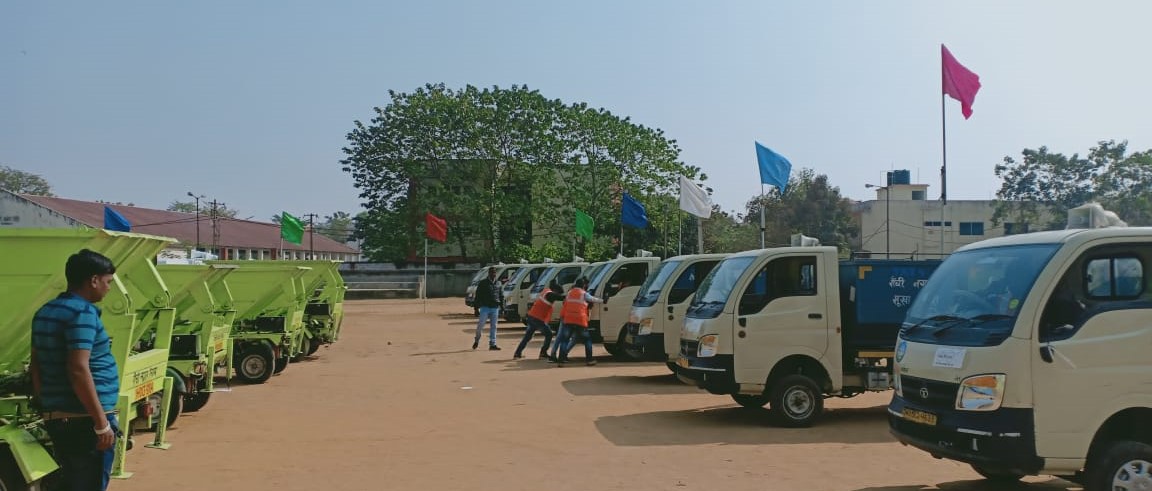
337 226
205 208
502 166
20 182
1044 184
809 206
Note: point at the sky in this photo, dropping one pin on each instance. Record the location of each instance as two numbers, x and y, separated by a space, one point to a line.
249 103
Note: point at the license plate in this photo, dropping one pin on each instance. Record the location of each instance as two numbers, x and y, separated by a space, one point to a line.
145 390
919 417
682 362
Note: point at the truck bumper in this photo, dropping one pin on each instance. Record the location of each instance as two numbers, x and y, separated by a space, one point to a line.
713 374
652 344
1003 439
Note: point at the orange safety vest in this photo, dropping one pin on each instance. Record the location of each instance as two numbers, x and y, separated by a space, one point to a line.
575 309
541 309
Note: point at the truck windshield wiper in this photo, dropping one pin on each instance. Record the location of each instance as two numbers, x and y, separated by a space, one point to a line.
935 318
958 320
991 317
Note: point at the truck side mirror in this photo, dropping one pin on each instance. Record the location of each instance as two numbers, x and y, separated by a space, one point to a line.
669 309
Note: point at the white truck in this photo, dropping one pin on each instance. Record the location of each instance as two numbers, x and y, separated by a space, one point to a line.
659 307
617 283
503 272
517 290
790 326
563 273
1032 354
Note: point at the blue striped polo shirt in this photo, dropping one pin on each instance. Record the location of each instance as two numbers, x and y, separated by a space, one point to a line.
70 322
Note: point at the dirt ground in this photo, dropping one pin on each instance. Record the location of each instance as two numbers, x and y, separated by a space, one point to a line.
402 402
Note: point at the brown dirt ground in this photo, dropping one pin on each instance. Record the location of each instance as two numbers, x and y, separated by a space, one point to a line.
388 407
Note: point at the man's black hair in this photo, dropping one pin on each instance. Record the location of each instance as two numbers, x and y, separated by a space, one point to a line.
84 265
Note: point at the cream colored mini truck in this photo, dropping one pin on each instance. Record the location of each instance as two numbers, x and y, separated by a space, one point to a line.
658 308
790 326
616 283
1032 354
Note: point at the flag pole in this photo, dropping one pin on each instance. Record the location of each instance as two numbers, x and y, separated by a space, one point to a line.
680 222
424 287
699 235
762 203
621 237
944 158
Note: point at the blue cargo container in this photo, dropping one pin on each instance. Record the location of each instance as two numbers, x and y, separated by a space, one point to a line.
874 296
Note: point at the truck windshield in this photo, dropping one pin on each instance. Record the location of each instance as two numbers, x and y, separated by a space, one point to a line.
716 288
543 281
598 277
973 298
650 291
515 280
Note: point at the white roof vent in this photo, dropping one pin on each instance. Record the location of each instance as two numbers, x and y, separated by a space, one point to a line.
801 240
1092 215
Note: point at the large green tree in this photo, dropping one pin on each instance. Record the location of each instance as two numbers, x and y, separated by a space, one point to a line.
810 205
503 166
205 208
1040 187
21 182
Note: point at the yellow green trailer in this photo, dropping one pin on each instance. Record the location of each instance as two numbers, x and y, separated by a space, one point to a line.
202 335
136 313
269 299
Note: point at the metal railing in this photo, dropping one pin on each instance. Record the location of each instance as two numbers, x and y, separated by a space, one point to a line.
416 287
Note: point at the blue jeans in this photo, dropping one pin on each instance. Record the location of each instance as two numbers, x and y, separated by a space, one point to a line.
534 325
569 343
82 466
561 338
490 314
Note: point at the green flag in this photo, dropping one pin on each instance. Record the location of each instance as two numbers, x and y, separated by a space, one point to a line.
584 225
291 229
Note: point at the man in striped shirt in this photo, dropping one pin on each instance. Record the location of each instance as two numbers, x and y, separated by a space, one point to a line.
74 374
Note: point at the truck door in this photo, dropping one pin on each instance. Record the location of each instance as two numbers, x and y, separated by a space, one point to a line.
1094 338
781 312
618 292
565 277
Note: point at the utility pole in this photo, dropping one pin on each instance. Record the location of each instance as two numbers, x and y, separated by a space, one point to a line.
311 235
197 198
216 228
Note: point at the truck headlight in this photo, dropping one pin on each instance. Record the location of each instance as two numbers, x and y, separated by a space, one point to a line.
645 326
708 344
981 393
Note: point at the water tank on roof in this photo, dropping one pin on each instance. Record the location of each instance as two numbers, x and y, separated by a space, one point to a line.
899 177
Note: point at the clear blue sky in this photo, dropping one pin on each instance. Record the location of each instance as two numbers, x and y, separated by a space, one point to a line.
249 102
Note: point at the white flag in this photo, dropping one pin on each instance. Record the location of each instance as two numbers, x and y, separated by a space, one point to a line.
693 199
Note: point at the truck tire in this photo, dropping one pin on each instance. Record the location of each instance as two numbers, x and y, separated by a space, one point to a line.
315 346
254 364
1120 465
10 477
175 408
796 401
196 401
281 364
305 348
998 475
750 401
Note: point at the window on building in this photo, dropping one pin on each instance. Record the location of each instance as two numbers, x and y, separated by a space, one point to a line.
971 228
918 195
937 224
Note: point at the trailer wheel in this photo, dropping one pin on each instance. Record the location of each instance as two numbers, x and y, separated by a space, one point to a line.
796 401
10 477
281 364
998 475
306 348
196 401
315 346
750 401
254 364
1121 465
174 409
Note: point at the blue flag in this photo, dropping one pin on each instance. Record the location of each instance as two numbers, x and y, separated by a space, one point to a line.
115 221
632 213
774 168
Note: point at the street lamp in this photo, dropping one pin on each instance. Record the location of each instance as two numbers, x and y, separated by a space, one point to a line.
197 198
887 219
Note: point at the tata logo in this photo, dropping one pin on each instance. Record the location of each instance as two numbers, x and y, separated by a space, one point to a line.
901 350
923 393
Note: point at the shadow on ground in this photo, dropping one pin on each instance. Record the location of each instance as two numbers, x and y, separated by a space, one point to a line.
1051 484
623 385
734 425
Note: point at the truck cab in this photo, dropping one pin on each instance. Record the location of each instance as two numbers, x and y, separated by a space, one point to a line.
790 326
1029 354
616 283
518 288
503 273
659 306
563 273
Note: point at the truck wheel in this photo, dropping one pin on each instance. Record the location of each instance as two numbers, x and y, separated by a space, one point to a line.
254 364
1122 465
312 348
671 366
305 348
10 477
174 409
281 364
796 401
998 475
750 401
196 401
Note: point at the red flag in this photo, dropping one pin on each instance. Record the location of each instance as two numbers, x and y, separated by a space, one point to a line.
959 82
435 228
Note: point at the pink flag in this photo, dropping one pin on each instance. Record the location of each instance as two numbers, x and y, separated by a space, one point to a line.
959 82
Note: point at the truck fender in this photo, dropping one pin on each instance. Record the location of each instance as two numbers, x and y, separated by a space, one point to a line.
806 364
33 460
178 384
